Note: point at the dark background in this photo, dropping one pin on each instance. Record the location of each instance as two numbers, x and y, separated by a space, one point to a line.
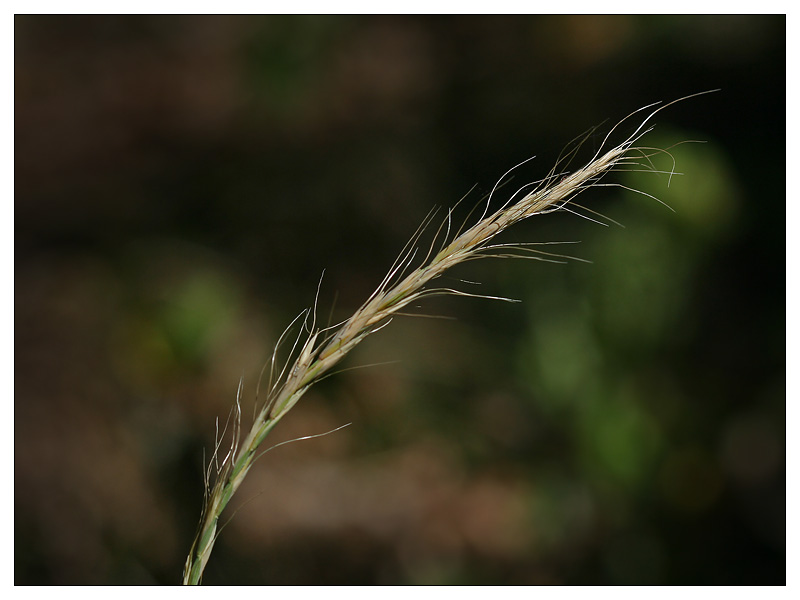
181 183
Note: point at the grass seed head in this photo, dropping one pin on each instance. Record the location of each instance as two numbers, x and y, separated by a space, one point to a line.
322 349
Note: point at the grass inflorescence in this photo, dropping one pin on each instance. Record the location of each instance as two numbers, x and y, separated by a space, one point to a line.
317 350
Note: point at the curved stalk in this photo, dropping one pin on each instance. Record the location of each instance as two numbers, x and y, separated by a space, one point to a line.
321 350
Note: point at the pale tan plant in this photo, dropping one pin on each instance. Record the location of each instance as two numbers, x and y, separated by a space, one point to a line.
323 348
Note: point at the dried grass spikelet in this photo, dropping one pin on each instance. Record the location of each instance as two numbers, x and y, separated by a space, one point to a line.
324 348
